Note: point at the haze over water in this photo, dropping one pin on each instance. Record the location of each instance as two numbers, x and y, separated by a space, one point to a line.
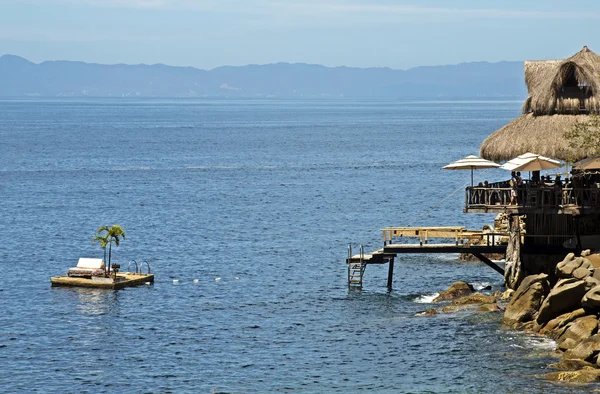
265 195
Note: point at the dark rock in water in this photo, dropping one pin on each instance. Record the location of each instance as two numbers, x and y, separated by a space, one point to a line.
507 295
476 298
555 327
454 308
470 257
570 365
467 301
586 375
488 308
428 312
526 300
577 331
564 297
457 289
591 299
587 350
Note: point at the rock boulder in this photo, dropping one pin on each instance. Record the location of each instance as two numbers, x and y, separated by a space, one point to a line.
527 299
567 267
564 297
577 331
555 327
456 290
476 298
488 308
585 375
571 365
594 259
591 299
587 350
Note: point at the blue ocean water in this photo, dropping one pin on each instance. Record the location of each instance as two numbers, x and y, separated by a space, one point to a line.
265 195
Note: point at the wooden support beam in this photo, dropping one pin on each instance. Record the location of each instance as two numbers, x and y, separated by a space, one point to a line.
390 273
489 263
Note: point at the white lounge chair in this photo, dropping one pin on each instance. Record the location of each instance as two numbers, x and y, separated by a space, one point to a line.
87 267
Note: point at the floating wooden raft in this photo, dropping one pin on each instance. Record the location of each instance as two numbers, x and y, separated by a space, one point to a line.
358 262
123 279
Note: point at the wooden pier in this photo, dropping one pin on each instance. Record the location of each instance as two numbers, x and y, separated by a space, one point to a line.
465 241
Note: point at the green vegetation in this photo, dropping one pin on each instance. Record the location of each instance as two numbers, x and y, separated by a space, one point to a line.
106 236
584 137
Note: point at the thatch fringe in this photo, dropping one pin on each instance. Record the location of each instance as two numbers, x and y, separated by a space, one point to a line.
593 104
526 105
568 106
548 93
543 135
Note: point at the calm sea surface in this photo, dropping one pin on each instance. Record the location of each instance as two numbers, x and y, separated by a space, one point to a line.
266 196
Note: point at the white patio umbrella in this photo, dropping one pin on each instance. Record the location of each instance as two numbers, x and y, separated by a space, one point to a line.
471 162
531 162
592 163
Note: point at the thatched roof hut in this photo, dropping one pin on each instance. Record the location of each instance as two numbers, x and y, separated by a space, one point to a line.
561 93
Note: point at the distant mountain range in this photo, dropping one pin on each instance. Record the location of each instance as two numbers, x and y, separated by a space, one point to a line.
22 78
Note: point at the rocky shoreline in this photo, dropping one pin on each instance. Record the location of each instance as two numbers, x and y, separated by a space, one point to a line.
565 309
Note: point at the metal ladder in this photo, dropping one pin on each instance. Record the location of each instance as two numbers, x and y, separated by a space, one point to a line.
356 270
138 269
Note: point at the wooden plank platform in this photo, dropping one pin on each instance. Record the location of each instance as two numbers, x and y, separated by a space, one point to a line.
376 257
383 256
424 234
124 279
465 241
523 210
442 248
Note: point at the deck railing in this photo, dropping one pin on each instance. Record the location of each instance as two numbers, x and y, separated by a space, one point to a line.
532 197
456 233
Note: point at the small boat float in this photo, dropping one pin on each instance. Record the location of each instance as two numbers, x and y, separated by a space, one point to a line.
92 273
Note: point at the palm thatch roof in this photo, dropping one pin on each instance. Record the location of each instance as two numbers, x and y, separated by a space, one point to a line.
561 93
543 135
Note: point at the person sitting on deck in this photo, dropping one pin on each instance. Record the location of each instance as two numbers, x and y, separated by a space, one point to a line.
557 182
568 183
519 179
513 192
558 193
520 188
478 194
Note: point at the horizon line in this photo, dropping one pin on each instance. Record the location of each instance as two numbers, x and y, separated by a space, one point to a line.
263 64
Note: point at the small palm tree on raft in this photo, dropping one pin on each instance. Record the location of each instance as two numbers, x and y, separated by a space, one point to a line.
107 236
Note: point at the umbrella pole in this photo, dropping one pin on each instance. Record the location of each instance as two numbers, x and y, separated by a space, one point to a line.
471 176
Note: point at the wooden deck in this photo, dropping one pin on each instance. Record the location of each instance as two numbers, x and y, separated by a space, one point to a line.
124 279
457 233
358 262
389 251
571 201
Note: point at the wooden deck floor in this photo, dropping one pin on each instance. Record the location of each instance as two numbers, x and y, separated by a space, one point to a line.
442 248
382 256
127 279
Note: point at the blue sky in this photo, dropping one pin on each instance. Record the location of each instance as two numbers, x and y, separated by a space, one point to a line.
363 33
